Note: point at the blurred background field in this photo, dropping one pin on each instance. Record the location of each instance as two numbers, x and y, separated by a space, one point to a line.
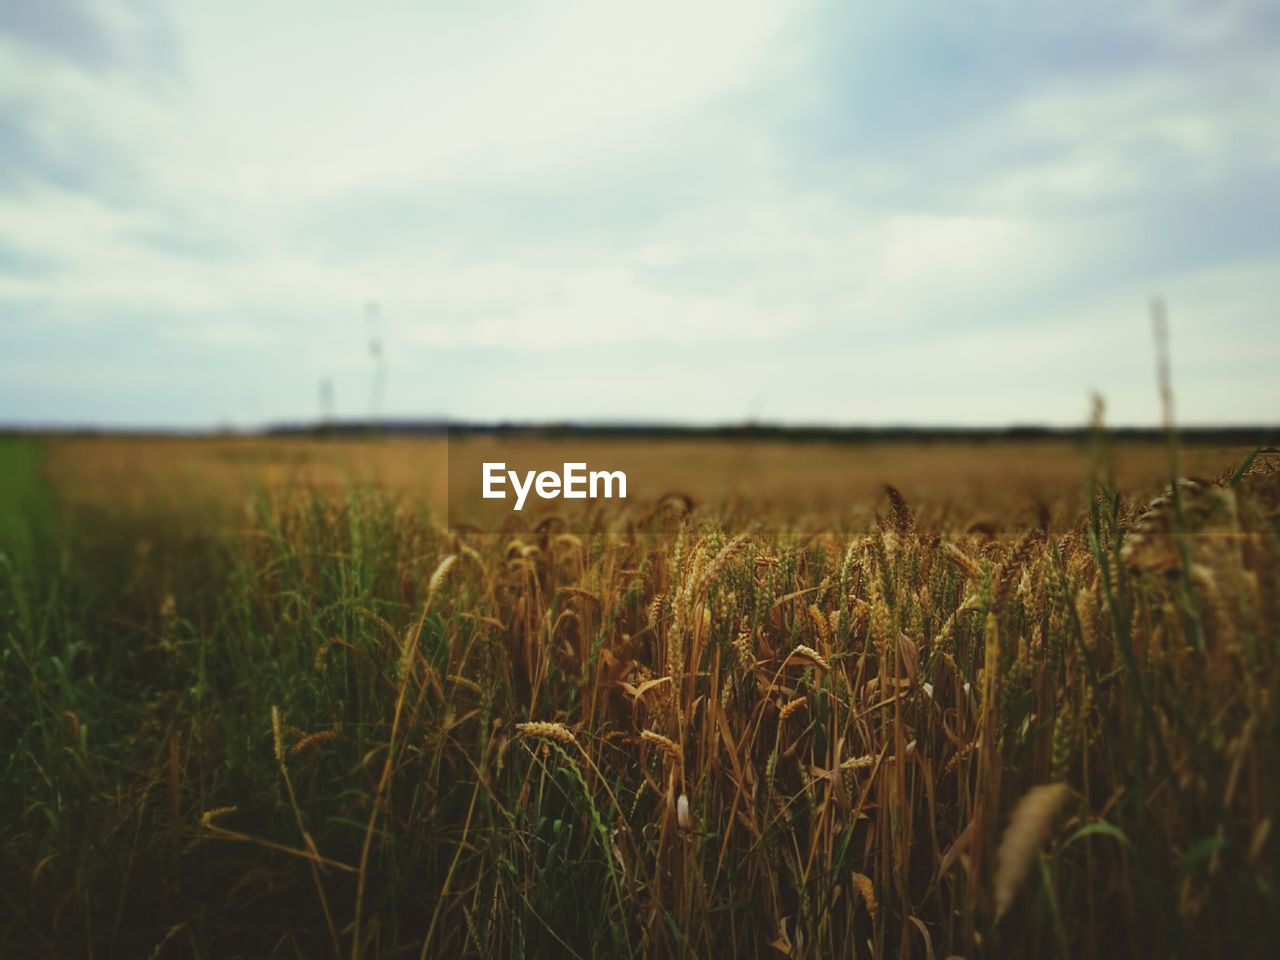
1002 482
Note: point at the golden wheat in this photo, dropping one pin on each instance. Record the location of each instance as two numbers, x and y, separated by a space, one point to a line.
547 731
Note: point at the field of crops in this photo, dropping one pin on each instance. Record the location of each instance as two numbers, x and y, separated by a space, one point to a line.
257 700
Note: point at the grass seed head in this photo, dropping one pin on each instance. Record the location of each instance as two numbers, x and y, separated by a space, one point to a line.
547 731
812 655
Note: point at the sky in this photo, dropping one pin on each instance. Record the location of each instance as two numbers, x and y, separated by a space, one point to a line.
701 212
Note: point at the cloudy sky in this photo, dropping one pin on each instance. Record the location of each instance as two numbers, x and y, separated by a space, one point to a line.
681 211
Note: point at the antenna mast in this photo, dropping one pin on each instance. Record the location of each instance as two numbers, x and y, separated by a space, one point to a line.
373 317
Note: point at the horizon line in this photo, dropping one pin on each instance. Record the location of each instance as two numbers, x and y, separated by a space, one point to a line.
1257 432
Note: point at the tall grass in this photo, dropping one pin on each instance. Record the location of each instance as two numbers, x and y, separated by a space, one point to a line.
346 731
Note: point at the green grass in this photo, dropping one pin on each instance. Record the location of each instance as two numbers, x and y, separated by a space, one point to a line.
26 516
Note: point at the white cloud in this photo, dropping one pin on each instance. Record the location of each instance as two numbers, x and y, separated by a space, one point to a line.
610 306
931 249
327 97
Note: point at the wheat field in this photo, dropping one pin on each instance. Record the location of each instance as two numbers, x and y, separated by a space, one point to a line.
1023 704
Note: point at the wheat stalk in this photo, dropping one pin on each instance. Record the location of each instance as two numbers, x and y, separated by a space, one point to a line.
1029 827
438 576
790 707
812 655
547 731
665 744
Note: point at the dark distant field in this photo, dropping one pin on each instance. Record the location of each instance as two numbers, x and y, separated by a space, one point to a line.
257 699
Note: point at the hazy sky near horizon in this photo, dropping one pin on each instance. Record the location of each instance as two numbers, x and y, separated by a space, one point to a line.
677 211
